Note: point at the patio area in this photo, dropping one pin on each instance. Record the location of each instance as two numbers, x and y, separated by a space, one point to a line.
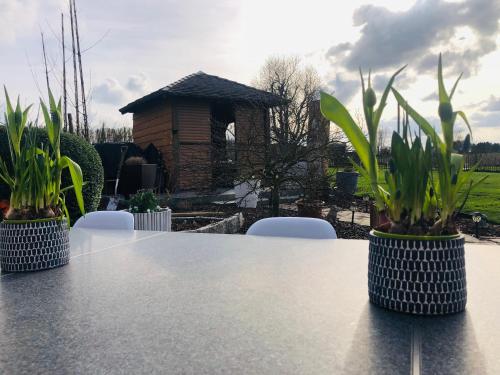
246 187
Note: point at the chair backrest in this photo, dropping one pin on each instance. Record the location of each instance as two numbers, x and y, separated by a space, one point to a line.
298 227
106 220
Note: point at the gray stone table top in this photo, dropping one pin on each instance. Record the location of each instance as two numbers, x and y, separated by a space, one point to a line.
182 303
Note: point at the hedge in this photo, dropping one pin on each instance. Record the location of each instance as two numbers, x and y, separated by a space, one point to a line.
81 152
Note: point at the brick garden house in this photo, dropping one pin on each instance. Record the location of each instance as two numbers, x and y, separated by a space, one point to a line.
188 122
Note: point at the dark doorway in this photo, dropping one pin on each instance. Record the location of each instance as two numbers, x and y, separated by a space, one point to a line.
223 150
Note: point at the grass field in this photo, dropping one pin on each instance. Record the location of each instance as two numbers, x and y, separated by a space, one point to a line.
485 198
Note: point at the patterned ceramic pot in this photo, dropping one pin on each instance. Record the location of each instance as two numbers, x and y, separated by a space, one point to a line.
33 245
424 276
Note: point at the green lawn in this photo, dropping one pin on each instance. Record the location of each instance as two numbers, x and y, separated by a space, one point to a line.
485 198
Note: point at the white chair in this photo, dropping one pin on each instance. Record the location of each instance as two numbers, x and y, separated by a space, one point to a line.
120 220
298 227
247 193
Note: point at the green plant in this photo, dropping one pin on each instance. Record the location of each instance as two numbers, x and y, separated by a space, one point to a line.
144 201
413 200
81 152
366 149
34 178
411 205
451 177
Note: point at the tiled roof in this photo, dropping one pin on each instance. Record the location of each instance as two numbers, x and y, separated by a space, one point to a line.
202 85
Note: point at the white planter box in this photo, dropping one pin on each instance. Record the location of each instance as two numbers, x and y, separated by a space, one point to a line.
247 193
159 221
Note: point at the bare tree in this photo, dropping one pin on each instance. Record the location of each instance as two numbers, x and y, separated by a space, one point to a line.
382 137
297 136
299 87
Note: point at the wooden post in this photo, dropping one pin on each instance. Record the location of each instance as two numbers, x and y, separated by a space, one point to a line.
82 85
65 95
174 176
75 75
45 62
70 123
318 135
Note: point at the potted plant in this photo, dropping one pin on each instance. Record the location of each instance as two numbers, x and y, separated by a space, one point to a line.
347 180
34 234
148 215
416 258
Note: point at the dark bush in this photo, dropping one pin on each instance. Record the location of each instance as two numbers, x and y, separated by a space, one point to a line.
81 152
5 155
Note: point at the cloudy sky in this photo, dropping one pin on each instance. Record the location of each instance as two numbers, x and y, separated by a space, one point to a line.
132 47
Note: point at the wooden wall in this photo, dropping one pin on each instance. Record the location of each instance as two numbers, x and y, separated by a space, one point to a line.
181 129
153 125
193 142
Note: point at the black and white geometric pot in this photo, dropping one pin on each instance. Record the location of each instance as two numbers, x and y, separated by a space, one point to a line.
424 276
33 245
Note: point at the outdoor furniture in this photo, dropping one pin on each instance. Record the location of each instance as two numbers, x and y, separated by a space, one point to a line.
106 220
162 302
246 193
300 227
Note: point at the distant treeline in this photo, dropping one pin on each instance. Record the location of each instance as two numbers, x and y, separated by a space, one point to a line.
106 134
479 148
485 148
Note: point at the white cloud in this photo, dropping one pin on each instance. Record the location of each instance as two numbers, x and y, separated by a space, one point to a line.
20 17
485 127
390 38
138 83
110 91
168 39
492 105
344 86
433 96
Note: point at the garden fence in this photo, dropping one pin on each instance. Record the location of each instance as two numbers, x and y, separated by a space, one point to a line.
487 162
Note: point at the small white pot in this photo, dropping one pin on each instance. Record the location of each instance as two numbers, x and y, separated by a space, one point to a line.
158 221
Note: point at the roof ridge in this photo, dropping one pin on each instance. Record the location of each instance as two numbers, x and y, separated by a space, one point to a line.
183 79
201 84
240 84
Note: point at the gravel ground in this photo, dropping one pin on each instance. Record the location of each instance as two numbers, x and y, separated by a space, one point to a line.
179 225
344 229
466 225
